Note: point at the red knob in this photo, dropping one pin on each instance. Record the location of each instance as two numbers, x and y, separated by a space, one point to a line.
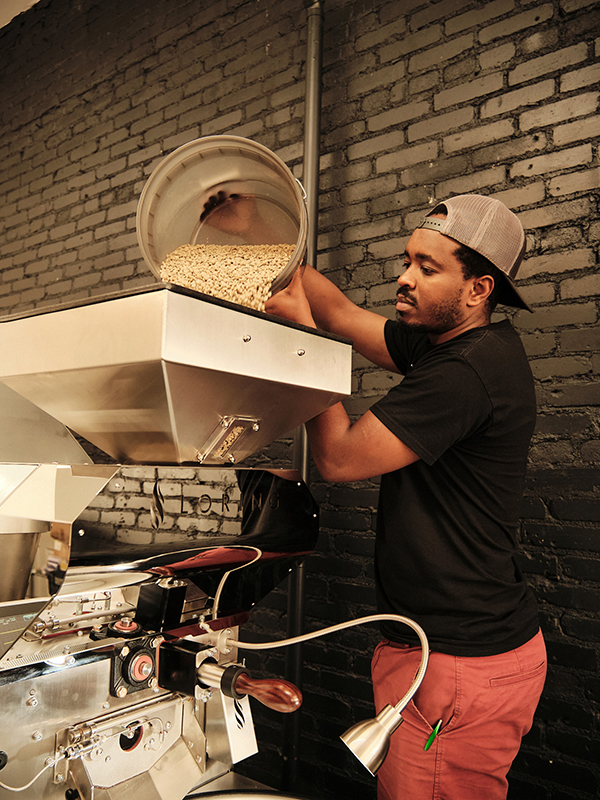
274 693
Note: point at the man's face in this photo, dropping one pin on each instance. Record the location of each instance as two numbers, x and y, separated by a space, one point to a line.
432 290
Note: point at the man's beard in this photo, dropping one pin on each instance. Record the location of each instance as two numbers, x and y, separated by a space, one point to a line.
442 317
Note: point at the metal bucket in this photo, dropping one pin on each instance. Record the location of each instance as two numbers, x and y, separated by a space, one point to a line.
201 181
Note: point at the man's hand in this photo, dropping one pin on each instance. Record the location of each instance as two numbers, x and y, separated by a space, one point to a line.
291 303
232 213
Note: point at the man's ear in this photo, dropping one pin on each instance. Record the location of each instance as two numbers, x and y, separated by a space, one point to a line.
481 289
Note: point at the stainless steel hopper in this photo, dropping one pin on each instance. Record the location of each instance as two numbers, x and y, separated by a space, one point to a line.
167 376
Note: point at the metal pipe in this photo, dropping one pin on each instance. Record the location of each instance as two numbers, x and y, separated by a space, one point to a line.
310 180
312 129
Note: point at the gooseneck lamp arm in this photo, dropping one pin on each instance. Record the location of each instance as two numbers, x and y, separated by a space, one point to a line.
368 740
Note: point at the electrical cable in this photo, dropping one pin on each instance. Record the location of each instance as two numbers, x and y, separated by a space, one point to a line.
227 574
350 624
52 763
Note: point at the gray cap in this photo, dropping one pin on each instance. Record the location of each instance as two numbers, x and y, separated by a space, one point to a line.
487 226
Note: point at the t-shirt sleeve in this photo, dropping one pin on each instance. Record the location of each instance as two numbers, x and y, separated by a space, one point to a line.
402 347
439 403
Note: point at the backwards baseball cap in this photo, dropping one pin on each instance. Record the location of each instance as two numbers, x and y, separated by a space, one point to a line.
487 226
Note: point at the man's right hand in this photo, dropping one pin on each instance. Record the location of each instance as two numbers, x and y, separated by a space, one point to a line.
291 302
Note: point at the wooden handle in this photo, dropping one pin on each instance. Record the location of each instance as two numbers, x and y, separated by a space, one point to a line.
274 693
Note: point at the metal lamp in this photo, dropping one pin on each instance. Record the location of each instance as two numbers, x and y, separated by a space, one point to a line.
368 740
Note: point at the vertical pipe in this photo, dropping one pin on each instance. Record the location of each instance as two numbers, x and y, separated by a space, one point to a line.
310 179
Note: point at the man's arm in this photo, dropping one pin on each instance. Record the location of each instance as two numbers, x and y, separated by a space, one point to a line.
344 451
329 307
312 299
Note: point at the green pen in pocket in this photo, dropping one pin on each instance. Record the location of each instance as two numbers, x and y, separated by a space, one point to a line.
434 733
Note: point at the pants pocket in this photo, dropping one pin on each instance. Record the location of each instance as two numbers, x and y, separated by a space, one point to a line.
517 677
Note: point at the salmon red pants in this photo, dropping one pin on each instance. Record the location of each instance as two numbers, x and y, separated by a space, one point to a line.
486 705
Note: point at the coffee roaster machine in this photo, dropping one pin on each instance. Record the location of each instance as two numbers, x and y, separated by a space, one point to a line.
120 602
125 577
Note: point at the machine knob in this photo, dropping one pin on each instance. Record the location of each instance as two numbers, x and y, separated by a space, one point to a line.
274 693
235 681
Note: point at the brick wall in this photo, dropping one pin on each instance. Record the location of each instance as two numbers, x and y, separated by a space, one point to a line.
420 100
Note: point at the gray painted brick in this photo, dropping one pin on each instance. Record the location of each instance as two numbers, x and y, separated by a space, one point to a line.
475 182
436 11
507 151
387 204
580 181
574 5
397 28
91 221
560 367
483 134
376 144
160 132
577 79
127 176
517 22
509 101
538 293
556 213
558 315
423 83
437 55
493 58
588 286
477 17
367 189
411 43
122 241
407 156
556 263
372 80
563 159
397 116
537 344
440 123
577 131
580 340
580 106
370 230
435 171
557 60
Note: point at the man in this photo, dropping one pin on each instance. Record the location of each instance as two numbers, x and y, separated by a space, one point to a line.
450 442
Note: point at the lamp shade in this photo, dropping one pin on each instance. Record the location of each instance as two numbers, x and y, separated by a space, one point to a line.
369 740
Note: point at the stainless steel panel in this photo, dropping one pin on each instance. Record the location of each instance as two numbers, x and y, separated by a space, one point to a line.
35 555
28 435
50 492
149 377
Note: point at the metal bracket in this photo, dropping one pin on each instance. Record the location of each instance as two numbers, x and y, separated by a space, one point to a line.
225 437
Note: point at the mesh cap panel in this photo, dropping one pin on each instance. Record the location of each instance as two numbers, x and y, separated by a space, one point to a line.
487 226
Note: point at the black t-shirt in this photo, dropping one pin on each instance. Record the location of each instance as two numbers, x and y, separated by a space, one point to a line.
447 524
